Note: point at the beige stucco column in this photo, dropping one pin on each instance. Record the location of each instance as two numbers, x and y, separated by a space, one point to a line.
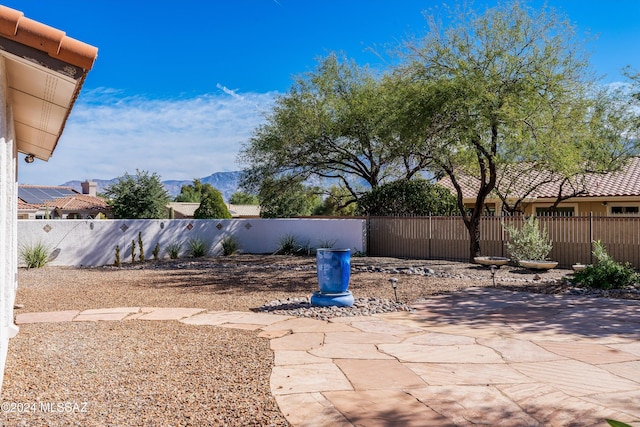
8 221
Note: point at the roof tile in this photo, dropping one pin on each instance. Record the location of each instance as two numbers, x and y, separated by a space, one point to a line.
14 26
625 182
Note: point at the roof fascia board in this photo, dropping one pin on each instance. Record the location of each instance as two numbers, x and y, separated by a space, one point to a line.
39 58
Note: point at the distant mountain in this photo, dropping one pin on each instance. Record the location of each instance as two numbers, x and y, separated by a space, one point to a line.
225 182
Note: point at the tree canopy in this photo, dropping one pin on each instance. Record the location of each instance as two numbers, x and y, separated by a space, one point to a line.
408 197
211 204
296 200
512 85
333 125
138 197
242 198
192 193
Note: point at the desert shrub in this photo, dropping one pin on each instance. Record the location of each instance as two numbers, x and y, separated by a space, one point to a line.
528 242
117 262
35 255
326 243
288 245
156 252
605 273
174 249
198 247
229 246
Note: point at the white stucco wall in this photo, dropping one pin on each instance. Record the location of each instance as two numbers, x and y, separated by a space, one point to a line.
93 242
8 221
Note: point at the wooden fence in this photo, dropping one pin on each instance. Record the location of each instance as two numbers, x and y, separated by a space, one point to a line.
436 237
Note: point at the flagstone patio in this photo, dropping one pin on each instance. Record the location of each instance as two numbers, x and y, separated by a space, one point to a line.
480 356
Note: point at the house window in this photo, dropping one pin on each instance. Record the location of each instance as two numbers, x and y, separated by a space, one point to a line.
563 211
489 209
624 210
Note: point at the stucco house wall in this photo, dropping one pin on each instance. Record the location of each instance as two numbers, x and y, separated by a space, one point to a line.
8 219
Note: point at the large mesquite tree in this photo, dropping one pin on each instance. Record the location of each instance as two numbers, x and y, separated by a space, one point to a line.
511 85
333 125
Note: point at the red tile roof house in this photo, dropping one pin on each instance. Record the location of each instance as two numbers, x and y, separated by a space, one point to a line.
41 74
54 202
610 194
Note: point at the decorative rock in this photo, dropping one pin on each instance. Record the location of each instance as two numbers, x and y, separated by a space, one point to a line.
361 307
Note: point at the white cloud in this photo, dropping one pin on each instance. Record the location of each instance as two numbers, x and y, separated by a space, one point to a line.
108 135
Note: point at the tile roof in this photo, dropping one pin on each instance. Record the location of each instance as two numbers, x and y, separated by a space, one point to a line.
14 26
78 202
244 210
625 182
23 206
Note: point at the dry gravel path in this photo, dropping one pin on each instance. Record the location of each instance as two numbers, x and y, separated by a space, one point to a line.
165 373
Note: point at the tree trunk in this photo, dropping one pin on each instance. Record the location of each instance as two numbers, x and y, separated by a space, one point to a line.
473 226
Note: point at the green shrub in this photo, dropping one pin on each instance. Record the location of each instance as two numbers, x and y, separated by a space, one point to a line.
528 242
174 249
35 255
605 273
229 246
198 247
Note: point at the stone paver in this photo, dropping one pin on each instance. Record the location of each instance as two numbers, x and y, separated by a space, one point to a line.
384 408
310 409
575 378
409 352
476 357
106 314
308 378
301 341
350 351
379 374
474 405
588 352
46 317
517 350
467 373
170 313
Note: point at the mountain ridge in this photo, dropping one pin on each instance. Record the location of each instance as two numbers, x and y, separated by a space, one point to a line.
225 182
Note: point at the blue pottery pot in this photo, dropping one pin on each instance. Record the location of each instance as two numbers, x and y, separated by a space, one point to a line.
334 270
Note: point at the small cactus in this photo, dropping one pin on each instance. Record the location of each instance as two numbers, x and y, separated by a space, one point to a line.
140 246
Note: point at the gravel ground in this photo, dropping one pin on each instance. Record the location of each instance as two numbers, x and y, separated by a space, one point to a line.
139 373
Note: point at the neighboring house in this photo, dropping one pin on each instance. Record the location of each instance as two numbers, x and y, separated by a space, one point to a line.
244 211
183 210
41 202
41 74
615 193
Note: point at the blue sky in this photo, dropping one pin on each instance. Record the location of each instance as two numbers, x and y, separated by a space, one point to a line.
179 86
